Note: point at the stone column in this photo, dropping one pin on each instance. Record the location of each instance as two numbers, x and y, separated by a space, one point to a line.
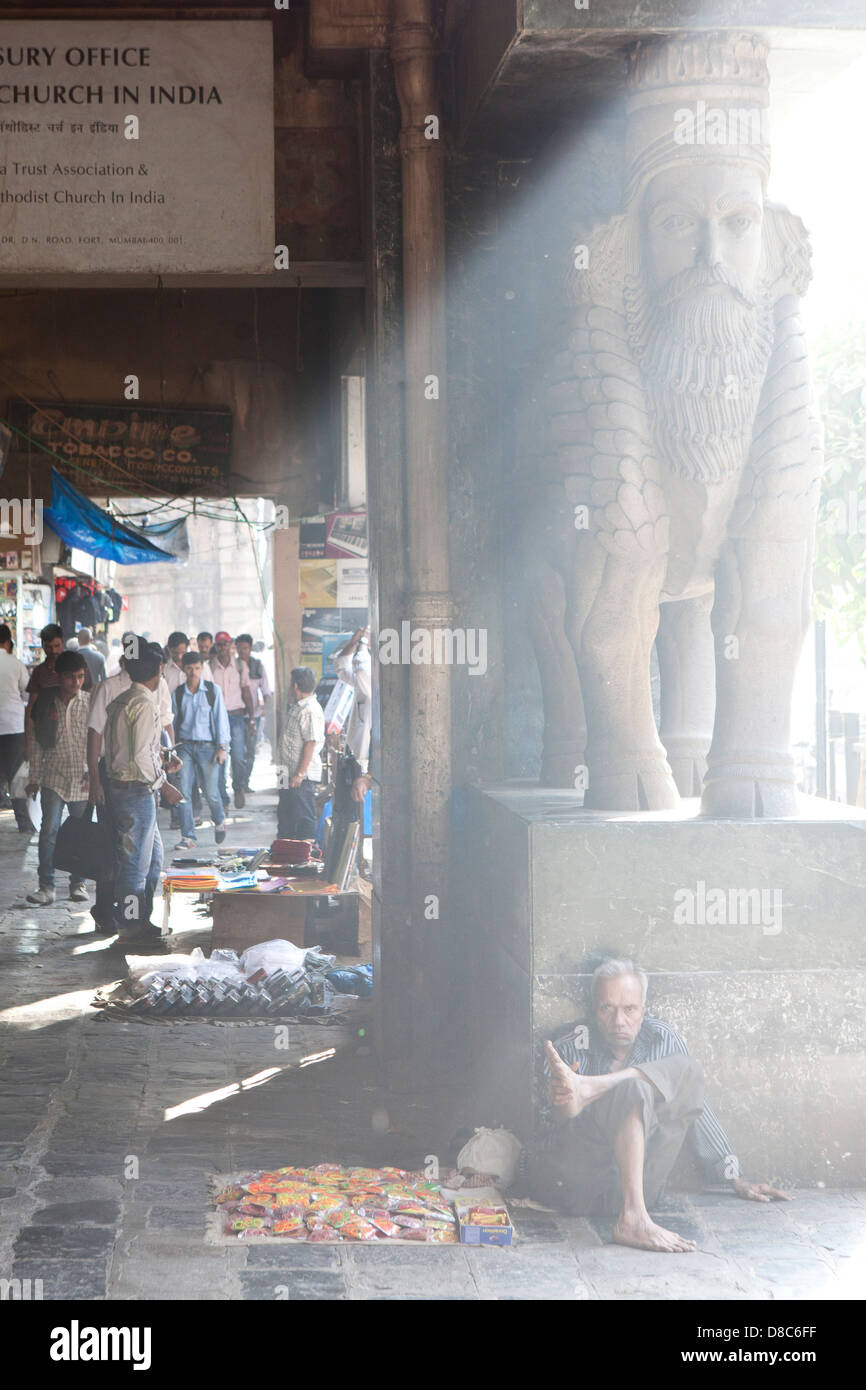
392 945
429 598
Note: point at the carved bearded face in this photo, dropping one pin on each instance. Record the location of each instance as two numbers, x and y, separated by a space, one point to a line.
698 322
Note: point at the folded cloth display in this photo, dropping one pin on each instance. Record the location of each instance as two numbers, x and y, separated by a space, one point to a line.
332 1203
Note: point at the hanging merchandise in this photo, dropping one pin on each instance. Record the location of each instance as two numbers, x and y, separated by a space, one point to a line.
79 604
113 605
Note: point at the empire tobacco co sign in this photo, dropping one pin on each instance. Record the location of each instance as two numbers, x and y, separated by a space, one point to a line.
175 450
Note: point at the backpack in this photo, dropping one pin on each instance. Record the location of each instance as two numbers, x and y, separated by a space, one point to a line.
177 696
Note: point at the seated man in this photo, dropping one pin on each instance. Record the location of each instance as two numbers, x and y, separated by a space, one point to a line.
625 1095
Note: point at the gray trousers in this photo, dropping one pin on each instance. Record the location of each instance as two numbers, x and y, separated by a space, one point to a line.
574 1169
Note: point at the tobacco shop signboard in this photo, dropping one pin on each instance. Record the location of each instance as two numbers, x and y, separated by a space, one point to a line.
180 451
136 146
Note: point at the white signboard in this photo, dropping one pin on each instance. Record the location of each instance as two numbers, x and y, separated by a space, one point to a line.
136 146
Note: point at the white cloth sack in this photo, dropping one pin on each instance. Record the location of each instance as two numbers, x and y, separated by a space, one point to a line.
493 1151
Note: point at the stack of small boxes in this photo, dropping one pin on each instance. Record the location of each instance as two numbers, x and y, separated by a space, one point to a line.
482 1222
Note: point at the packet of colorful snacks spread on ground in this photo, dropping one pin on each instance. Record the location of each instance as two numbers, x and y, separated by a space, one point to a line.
331 1203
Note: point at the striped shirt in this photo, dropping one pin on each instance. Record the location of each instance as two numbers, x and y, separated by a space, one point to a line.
656 1039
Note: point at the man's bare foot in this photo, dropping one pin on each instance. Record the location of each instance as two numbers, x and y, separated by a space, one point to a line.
642 1232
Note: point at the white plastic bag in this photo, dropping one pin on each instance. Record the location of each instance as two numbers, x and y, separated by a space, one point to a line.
493 1151
144 969
221 966
18 785
272 955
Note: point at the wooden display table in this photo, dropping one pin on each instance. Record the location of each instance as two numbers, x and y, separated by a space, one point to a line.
306 918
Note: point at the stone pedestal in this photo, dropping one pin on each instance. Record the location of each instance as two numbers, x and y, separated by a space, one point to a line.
752 933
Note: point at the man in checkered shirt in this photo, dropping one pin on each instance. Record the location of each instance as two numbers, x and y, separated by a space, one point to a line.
58 764
625 1095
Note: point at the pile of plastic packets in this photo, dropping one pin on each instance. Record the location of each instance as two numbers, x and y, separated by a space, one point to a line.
330 1203
274 977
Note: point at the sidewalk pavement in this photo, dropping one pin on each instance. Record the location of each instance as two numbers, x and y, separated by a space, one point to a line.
109 1131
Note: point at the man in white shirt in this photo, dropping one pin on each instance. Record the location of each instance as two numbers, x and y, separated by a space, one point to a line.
300 753
233 678
261 692
354 665
134 772
14 677
204 645
103 911
102 696
173 675
95 660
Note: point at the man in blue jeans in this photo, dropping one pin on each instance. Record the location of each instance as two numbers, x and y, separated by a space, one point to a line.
135 771
203 737
58 764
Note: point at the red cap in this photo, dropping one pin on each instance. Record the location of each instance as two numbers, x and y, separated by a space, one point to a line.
223 637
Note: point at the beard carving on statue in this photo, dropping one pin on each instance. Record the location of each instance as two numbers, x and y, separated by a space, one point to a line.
703 346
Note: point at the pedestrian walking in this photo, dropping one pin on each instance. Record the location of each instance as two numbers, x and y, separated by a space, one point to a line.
204 643
233 678
203 737
58 765
45 673
14 678
104 908
136 767
177 644
95 660
261 693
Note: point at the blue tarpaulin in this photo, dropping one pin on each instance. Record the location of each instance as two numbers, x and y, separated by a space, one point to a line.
79 522
172 536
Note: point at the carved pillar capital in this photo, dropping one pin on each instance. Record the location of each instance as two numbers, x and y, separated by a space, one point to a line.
413 53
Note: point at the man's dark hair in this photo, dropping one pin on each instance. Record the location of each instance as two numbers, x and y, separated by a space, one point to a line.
5 633
49 633
200 635
145 668
244 637
174 638
191 659
68 662
304 679
156 648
